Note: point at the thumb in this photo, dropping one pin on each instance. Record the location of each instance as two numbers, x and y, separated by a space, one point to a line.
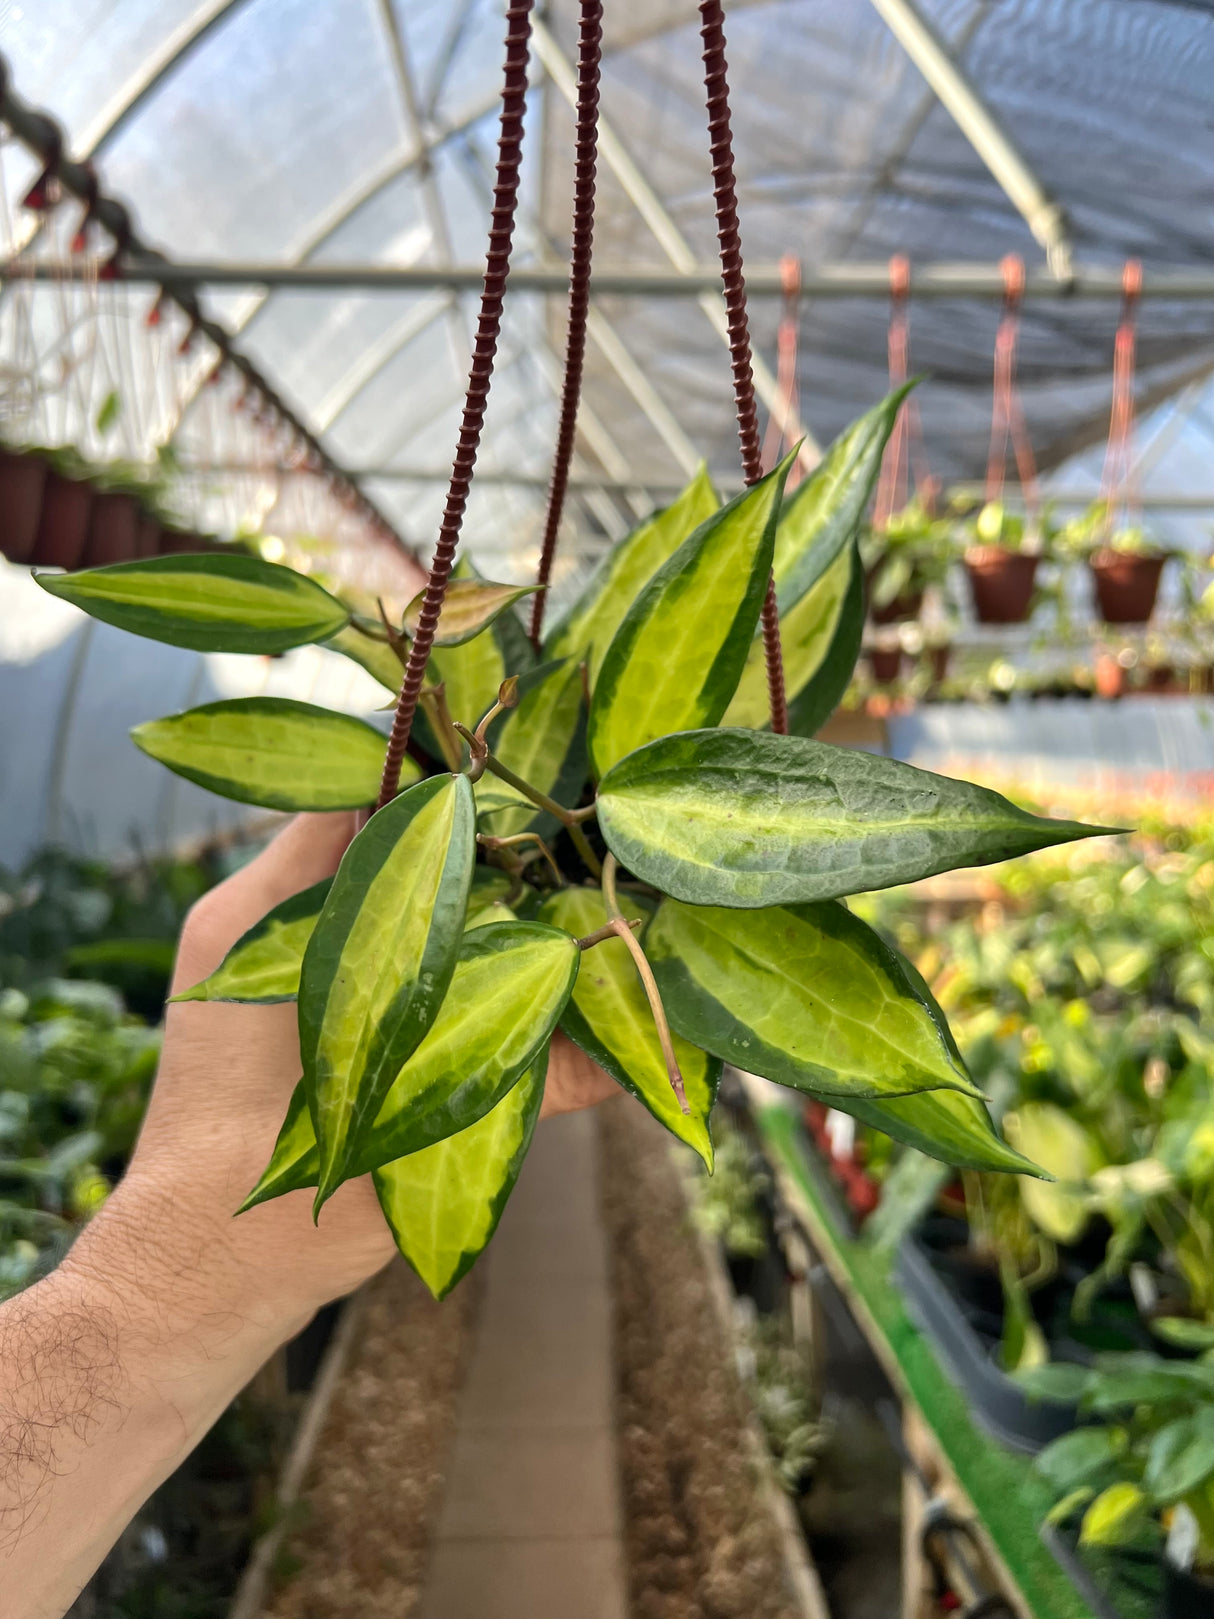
308 849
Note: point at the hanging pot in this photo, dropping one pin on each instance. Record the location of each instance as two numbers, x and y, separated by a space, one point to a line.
64 525
147 540
906 604
1127 583
1001 583
113 534
1186 1594
1161 678
22 480
885 662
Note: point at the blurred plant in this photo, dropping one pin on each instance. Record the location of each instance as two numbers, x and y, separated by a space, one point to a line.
727 1205
1148 1465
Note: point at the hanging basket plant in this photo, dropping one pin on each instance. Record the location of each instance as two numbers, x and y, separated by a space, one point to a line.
620 828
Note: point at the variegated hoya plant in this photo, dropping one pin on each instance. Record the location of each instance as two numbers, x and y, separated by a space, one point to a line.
608 841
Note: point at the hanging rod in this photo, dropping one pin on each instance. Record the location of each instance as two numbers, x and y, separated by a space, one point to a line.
44 137
844 280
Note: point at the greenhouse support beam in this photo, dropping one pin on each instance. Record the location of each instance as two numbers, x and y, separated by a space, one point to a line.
849 279
665 489
1043 214
671 240
45 138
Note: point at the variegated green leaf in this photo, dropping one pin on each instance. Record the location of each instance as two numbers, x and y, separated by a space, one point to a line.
211 603
946 1125
272 751
808 633
807 995
676 659
489 885
543 741
443 1204
822 516
371 654
587 630
747 819
495 912
263 965
812 706
609 1017
509 988
380 959
469 606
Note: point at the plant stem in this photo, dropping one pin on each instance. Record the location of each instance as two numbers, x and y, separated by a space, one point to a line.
488 841
570 819
434 700
624 931
608 931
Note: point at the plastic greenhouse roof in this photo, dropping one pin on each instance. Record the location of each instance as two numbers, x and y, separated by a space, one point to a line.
278 130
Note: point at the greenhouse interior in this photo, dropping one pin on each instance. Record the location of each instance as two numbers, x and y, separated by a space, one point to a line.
606 660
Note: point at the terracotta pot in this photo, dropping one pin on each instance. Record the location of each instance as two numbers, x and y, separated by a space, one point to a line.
148 537
64 526
1161 677
1110 677
1127 584
885 662
906 605
22 480
113 534
1001 583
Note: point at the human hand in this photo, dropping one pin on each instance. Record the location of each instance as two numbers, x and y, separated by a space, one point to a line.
114 1367
225 1078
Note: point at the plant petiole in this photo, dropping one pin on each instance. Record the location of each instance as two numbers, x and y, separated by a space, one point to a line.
488 841
570 819
608 931
623 930
434 700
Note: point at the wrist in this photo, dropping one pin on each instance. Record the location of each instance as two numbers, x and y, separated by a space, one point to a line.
192 1324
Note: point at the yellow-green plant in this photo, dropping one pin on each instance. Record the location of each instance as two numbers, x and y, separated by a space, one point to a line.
637 737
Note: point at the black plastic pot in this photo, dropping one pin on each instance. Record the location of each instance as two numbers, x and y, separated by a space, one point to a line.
997 1400
1186 1595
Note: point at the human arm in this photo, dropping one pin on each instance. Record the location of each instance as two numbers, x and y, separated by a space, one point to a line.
114 1367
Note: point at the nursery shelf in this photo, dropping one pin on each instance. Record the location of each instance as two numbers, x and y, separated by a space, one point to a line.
1007 1499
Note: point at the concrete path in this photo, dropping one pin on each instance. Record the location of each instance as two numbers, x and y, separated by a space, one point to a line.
530 1527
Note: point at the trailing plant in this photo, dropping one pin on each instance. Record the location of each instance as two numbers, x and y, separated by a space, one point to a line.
1147 1465
625 751
729 847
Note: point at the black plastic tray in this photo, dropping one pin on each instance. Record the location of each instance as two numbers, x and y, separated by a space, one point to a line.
998 1402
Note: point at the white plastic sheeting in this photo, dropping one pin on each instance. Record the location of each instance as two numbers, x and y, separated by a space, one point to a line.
280 130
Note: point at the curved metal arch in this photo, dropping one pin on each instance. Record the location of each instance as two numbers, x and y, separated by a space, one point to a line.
176 50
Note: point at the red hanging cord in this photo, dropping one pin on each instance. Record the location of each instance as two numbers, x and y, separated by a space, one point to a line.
1116 483
484 351
716 83
904 453
1007 416
787 390
582 249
